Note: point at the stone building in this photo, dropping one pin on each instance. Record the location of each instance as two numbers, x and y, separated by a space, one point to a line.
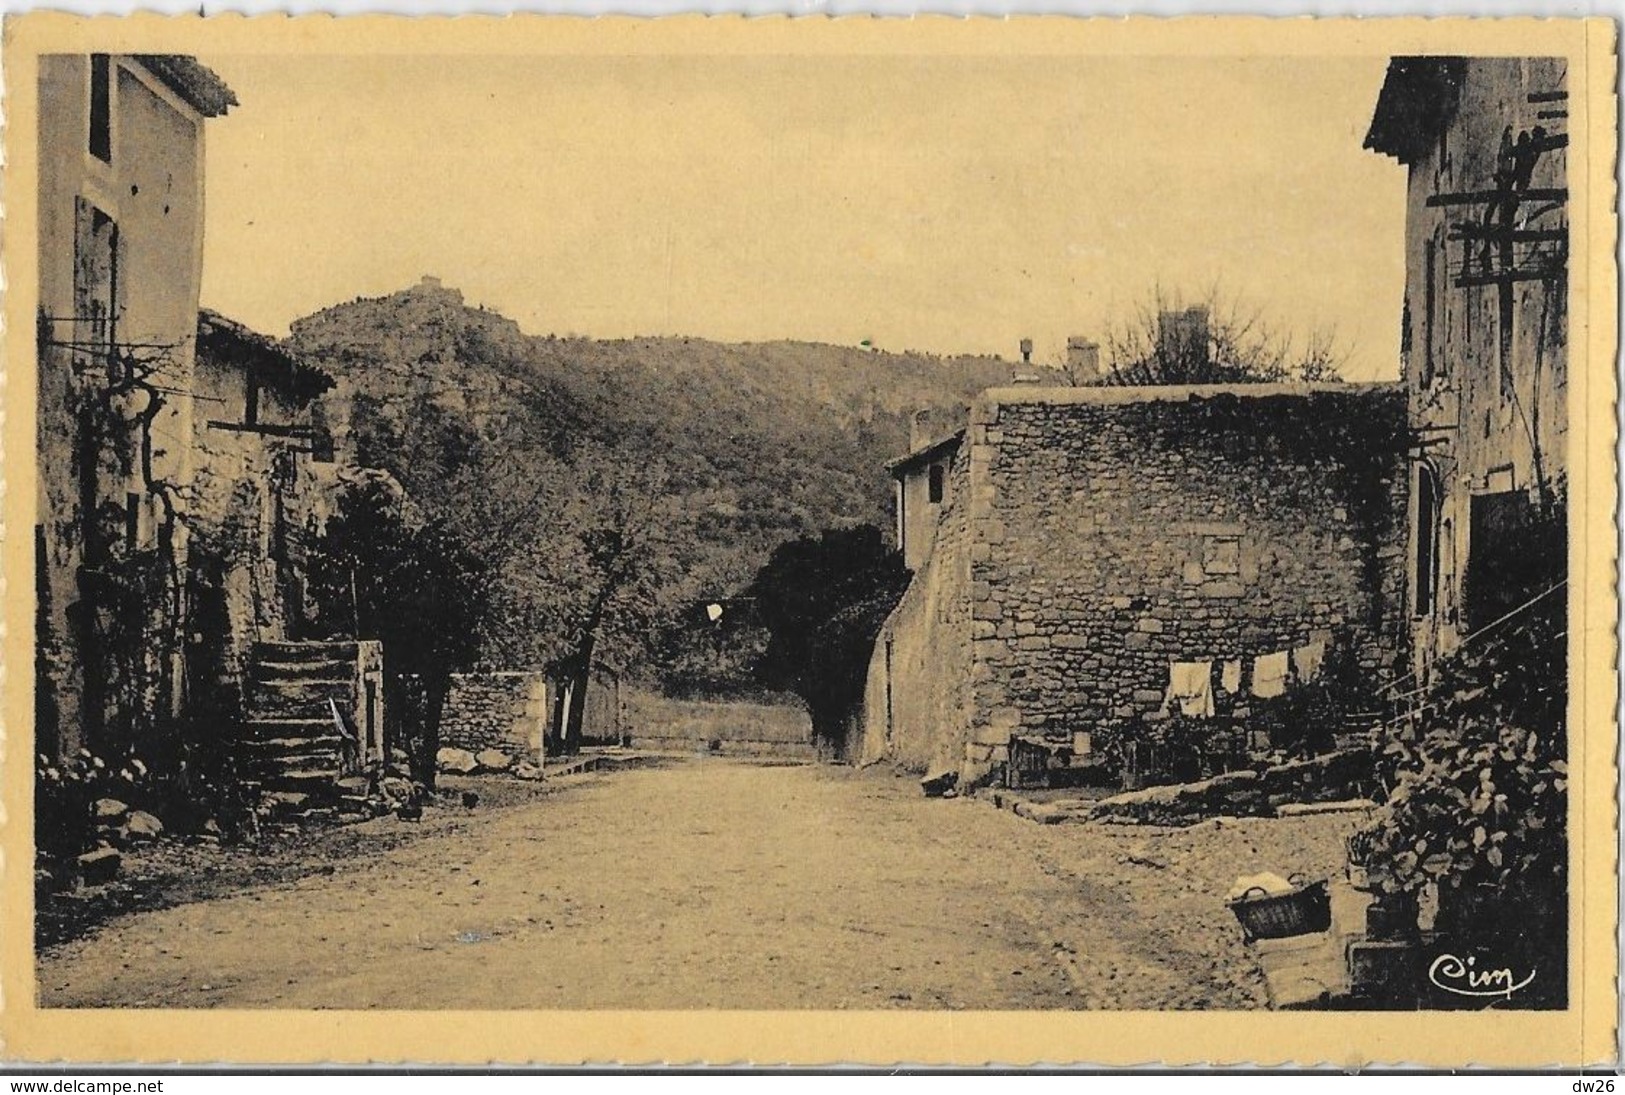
181 462
263 478
120 264
1484 335
1086 541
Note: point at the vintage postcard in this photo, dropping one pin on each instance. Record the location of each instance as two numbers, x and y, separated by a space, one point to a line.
810 541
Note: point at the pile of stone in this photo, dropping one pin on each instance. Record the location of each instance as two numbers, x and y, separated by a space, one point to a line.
392 790
1314 784
117 827
489 762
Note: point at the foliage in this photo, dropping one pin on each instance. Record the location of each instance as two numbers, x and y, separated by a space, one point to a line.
748 446
1478 795
823 600
379 570
1240 345
133 593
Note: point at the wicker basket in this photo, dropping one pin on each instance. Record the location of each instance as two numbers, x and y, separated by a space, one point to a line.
1302 910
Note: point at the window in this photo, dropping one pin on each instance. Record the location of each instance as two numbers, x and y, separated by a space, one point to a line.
101 111
95 284
1221 555
1426 530
132 521
934 486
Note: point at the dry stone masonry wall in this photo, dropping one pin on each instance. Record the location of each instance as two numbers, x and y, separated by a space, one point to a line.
1112 538
1092 537
506 711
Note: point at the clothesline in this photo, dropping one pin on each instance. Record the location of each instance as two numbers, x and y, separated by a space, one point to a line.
1387 690
1426 707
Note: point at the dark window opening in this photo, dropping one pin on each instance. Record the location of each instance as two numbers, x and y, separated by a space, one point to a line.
935 486
132 520
1427 541
251 402
1516 550
101 112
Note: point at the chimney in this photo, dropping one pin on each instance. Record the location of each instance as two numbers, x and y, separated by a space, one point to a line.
1182 336
1026 350
919 430
1082 357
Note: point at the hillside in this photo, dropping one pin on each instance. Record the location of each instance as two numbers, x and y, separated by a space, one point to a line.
763 442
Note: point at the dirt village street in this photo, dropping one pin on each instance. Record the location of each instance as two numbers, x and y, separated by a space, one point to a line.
710 883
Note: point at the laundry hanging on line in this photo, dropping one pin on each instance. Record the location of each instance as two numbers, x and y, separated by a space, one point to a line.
1230 676
1306 660
1190 684
1269 674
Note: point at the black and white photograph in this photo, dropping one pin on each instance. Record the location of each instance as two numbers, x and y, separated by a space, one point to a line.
808 530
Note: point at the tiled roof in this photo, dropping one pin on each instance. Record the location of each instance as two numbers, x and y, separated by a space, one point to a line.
192 81
1417 99
229 342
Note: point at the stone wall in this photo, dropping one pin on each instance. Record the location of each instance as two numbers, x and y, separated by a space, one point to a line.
253 498
1116 530
751 729
916 707
496 710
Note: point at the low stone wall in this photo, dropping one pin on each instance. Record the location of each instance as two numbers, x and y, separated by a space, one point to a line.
499 710
745 729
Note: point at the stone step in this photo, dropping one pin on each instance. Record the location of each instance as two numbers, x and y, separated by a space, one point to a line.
272 768
336 669
299 698
305 652
277 747
308 781
275 726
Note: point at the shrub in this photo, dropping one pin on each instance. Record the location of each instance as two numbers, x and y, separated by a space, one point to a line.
1478 793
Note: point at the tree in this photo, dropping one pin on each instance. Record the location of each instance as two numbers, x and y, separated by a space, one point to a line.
585 562
1212 341
823 600
379 570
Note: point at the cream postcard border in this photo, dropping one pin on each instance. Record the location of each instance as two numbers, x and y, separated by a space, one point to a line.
1584 1034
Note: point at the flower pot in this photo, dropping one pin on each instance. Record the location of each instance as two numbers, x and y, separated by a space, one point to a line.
1392 917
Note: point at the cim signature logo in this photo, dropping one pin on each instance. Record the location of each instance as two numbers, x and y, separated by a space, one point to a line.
1463 978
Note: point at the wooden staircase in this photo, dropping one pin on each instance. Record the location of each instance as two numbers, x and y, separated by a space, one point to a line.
295 749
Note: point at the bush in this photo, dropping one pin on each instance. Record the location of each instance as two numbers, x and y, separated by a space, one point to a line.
1477 796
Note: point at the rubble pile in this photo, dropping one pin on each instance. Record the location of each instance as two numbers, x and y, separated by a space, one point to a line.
1297 786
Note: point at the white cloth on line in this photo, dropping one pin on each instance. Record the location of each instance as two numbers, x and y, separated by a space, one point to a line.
1190 684
1230 676
1306 660
1269 674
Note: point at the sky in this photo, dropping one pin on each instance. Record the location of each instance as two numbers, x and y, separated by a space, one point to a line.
946 204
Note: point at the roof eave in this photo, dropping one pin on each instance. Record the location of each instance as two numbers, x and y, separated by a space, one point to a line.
196 83
270 361
925 454
1417 99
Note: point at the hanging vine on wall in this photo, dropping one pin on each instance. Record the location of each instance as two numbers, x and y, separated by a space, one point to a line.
132 597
